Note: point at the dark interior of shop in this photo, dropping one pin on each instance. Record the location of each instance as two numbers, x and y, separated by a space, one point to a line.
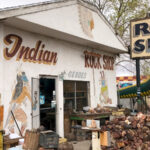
75 95
47 103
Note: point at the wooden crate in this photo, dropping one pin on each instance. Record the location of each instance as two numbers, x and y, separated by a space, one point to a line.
49 139
1 141
8 143
105 138
1 117
31 140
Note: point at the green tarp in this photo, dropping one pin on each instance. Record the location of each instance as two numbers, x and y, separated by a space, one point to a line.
130 91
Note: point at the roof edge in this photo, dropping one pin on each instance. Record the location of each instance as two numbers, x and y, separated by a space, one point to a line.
47 5
33 8
93 7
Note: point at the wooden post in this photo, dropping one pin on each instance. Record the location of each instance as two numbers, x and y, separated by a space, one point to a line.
96 140
105 138
1 140
1 117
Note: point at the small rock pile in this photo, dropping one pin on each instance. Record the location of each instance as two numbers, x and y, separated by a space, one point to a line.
129 133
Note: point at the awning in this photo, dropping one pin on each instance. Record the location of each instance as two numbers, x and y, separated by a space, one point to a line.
130 91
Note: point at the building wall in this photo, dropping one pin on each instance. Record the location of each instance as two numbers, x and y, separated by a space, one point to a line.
125 103
84 21
17 75
1 64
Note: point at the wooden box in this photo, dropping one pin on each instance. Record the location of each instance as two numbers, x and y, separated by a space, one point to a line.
1 117
31 140
1 141
105 138
49 139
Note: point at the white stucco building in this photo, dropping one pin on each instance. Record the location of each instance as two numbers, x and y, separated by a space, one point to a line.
60 51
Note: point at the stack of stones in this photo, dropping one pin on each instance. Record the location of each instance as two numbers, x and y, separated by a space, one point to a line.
129 133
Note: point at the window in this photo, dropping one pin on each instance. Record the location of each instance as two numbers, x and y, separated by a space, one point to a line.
75 95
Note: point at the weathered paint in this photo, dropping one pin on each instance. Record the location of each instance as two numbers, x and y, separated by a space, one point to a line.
104 95
17 105
71 19
93 60
26 53
70 57
140 41
86 20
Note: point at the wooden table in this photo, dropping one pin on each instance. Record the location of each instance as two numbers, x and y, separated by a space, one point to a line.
95 131
86 116
95 137
8 143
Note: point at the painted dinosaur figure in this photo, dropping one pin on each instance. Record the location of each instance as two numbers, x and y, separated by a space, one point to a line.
104 97
19 97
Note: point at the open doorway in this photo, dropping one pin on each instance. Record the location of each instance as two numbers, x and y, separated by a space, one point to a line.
48 103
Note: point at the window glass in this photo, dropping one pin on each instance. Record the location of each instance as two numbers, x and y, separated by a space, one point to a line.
75 95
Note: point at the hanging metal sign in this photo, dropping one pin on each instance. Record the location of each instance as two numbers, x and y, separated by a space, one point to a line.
140 38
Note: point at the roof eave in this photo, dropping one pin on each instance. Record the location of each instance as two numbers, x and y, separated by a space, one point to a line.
36 28
28 9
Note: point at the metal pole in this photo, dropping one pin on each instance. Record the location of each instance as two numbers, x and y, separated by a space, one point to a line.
138 83
138 78
118 95
145 105
16 123
75 96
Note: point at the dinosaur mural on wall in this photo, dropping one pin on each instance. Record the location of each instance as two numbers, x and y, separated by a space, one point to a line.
20 96
104 95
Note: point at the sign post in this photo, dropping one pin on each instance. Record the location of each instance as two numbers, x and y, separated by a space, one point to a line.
138 78
140 46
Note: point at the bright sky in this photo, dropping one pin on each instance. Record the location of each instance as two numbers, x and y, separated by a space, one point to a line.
14 3
120 71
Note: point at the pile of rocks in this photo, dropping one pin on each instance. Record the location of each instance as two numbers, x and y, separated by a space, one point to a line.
129 133
100 109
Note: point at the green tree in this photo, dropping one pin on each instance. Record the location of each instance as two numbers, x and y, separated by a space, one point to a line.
119 13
